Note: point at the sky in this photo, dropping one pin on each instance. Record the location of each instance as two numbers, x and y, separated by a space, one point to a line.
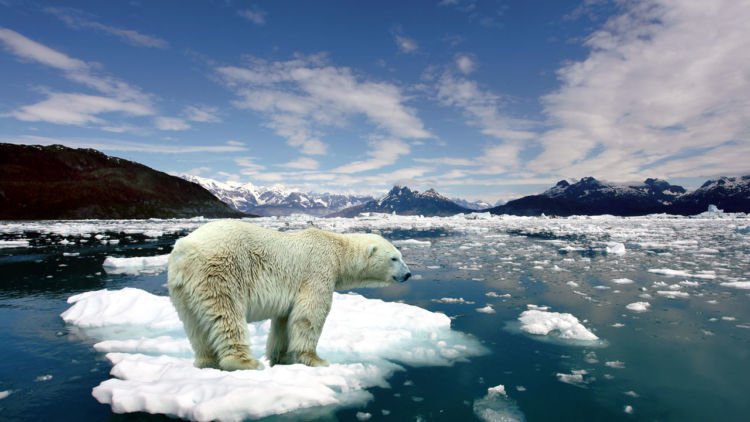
478 99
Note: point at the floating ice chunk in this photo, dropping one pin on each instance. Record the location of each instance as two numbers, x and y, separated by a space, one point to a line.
622 281
628 409
638 306
745 285
363 339
615 249
43 378
673 294
574 378
615 364
19 243
497 295
496 406
453 300
136 265
363 416
4 394
411 242
564 326
487 309
681 273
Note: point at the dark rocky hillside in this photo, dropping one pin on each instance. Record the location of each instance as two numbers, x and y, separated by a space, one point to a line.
57 182
731 194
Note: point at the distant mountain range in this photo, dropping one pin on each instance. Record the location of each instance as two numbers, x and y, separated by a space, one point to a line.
278 199
57 182
589 196
404 201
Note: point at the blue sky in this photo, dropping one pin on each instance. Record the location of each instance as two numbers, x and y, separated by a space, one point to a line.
478 99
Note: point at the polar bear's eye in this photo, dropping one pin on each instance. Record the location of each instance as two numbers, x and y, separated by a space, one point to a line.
394 259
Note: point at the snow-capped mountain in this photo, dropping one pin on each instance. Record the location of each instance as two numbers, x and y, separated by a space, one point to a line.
589 196
731 194
472 205
404 201
277 199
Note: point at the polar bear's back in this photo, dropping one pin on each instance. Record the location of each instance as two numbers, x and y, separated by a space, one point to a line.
236 256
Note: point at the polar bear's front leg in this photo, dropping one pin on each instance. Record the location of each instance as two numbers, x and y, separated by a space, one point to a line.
306 324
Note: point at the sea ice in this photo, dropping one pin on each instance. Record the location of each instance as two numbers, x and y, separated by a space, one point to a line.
411 242
622 281
638 306
136 265
21 243
453 300
363 339
562 325
737 284
4 394
615 249
574 378
496 406
487 309
681 273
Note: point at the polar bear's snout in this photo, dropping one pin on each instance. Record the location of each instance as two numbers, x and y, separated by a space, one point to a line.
402 273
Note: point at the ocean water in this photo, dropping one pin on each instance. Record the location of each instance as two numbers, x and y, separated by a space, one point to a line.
686 356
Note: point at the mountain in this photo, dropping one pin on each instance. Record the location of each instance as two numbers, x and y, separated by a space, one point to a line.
731 194
471 205
589 196
57 182
277 199
404 201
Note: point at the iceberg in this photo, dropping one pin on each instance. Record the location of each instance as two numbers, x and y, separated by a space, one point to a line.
136 265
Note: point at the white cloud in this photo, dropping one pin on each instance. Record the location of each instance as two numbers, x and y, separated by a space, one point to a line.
466 63
76 20
77 109
202 114
405 44
661 79
303 163
118 145
383 152
254 15
301 98
27 49
120 96
171 123
483 109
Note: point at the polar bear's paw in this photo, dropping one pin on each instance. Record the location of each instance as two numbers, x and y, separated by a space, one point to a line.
305 358
234 363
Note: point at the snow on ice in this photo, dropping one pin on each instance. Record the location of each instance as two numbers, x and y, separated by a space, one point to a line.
364 340
638 306
497 406
561 325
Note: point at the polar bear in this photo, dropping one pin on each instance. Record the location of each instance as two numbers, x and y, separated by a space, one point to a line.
229 272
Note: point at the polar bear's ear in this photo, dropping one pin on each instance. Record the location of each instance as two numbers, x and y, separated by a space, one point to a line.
371 250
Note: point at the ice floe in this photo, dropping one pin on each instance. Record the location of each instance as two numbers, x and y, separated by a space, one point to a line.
638 306
497 406
18 243
411 242
745 285
564 326
681 273
364 340
136 265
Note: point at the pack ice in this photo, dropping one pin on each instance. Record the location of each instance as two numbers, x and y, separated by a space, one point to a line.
365 341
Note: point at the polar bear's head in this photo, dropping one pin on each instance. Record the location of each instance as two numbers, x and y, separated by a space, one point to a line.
379 263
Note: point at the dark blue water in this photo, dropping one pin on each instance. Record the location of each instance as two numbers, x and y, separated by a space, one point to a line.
686 359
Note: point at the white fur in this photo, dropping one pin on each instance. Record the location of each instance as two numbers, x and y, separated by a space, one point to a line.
229 272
